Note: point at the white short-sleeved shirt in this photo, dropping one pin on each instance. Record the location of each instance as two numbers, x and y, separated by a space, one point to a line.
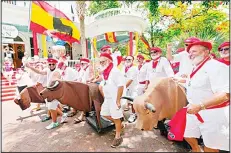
163 69
185 63
23 79
50 75
131 74
211 78
84 75
141 76
110 86
70 74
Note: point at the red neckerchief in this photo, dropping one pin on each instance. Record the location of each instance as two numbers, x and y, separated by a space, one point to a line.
86 68
140 66
199 67
155 62
107 71
78 69
222 60
63 73
128 67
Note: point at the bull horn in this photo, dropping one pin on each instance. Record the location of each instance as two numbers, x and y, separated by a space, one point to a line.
150 107
128 98
54 86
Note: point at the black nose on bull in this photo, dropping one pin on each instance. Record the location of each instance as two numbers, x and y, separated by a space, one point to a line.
40 94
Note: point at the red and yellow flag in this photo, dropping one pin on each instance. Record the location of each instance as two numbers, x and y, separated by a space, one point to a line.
146 44
110 37
48 20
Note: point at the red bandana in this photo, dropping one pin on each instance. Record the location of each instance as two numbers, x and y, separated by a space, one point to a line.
155 62
127 68
107 71
86 68
140 66
199 67
78 69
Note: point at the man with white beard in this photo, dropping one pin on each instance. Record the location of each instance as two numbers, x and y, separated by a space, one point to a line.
130 73
113 85
86 75
208 96
224 51
158 67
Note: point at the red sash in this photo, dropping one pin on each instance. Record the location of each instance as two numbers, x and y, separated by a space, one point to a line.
107 71
199 67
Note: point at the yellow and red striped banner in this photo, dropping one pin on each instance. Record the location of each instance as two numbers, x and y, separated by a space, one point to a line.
45 19
110 37
146 44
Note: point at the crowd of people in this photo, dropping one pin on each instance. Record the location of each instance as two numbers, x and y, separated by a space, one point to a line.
205 78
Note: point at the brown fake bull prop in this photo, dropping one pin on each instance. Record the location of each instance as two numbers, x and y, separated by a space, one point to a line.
28 95
162 100
83 97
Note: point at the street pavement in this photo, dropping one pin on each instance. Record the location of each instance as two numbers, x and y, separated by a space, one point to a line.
23 131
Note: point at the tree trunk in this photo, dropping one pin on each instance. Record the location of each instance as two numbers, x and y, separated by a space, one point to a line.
81 14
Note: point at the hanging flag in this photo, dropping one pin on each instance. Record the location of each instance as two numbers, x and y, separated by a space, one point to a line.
45 19
110 37
44 46
145 42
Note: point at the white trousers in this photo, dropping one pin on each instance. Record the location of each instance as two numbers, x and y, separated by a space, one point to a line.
211 129
53 105
110 108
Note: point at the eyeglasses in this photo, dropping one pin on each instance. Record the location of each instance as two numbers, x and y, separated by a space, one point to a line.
102 62
224 49
103 50
153 52
128 59
51 64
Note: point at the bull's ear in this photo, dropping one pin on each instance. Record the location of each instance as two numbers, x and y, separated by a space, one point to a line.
55 84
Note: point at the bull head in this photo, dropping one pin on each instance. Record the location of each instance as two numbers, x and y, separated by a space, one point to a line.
147 105
54 86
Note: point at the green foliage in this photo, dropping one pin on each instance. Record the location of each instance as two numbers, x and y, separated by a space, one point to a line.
97 6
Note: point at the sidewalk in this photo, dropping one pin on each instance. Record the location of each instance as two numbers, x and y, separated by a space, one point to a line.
30 135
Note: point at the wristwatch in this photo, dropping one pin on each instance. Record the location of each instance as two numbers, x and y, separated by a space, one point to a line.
202 106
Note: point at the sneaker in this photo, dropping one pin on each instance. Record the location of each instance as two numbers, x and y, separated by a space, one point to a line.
52 125
116 142
46 118
64 117
132 118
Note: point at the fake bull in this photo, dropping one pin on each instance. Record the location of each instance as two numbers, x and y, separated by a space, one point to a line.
83 97
162 100
28 95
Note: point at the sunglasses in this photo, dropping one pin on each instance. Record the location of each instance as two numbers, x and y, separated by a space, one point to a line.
51 64
153 52
224 49
128 59
186 44
102 62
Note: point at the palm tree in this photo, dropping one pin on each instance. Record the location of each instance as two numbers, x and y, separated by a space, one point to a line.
81 12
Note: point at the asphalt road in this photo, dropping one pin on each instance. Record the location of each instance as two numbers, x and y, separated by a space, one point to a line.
23 131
